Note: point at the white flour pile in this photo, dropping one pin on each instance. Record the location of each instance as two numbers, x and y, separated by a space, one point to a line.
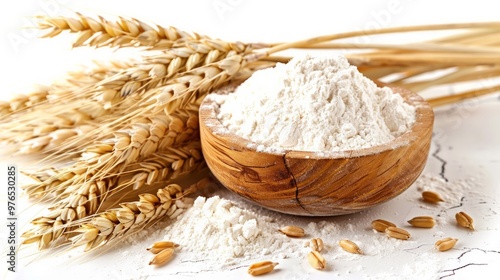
229 230
317 103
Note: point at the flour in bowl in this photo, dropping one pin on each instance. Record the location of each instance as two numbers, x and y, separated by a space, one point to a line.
314 103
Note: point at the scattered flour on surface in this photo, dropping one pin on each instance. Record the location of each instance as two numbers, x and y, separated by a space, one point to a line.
319 103
451 192
218 225
224 233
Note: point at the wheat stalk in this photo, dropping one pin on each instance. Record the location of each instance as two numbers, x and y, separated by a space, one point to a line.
121 33
57 132
70 88
83 200
146 135
43 232
155 70
63 183
183 94
471 56
93 231
152 73
61 217
134 216
70 113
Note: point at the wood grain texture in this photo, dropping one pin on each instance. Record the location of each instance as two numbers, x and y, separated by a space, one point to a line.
311 184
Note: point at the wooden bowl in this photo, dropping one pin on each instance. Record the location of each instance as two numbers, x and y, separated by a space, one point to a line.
308 184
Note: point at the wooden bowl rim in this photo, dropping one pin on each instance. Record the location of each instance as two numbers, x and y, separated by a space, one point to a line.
424 118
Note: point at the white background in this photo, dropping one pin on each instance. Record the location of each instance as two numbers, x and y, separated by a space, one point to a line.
26 60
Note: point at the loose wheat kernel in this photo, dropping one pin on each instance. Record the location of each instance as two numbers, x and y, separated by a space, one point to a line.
316 260
160 245
381 225
431 197
262 267
316 244
292 231
423 222
350 246
464 220
445 244
398 233
162 257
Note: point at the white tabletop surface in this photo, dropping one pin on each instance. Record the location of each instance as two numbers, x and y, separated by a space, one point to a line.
466 143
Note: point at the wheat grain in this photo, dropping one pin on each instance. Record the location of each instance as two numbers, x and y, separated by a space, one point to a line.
397 233
445 244
381 225
464 220
260 268
422 221
161 245
350 246
316 244
316 260
162 257
292 231
431 197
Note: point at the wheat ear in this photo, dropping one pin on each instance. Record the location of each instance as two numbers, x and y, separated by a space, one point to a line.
163 129
86 199
121 33
69 113
113 155
192 86
131 217
187 91
155 70
65 182
70 88
22 102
